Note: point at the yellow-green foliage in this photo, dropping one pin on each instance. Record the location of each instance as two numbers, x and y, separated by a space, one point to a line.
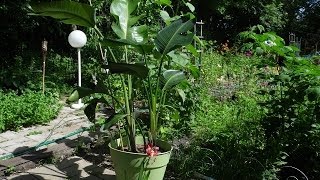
26 110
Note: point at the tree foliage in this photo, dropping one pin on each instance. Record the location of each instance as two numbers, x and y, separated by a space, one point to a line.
225 19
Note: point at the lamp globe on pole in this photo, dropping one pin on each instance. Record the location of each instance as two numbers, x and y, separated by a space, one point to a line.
78 39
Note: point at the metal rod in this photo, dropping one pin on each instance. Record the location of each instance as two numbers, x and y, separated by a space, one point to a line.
79 71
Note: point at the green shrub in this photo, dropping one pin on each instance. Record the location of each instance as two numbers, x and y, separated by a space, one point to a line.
27 109
227 133
292 121
241 134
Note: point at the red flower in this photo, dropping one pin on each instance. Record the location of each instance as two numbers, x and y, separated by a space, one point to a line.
151 150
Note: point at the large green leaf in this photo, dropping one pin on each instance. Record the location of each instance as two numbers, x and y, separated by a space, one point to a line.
68 12
182 94
122 10
90 109
138 70
81 92
141 48
174 36
164 2
191 7
112 120
172 78
119 42
180 58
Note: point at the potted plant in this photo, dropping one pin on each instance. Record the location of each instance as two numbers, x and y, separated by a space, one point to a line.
134 155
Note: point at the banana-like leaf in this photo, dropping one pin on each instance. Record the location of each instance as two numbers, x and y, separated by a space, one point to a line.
182 94
165 15
122 10
68 12
119 42
164 2
193 50
90 110
81 92
172 78
141 48
191 7
180 59
138 70
112 120
195 72
174 36
144 49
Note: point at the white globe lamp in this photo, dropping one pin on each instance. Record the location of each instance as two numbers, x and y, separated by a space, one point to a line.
78 39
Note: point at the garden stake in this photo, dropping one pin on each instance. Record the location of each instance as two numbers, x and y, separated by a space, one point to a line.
44 56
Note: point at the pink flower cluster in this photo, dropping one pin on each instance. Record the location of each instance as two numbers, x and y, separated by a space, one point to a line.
151 150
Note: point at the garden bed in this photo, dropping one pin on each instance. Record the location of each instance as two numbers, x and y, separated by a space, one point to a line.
28 109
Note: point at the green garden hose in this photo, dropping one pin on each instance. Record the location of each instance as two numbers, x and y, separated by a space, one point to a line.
44 143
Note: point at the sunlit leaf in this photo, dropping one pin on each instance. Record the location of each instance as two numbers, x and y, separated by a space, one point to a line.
180 59
142 48
172 78
191 7
182 94
174 36
193 50
68 12
81 92
164 2
164 15
123 27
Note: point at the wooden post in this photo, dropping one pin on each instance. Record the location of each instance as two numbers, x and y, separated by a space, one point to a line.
44 56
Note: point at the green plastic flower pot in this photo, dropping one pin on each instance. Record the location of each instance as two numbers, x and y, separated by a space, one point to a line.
134 166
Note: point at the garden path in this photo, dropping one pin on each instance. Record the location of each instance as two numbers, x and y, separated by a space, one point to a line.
68 123
55 139
70 168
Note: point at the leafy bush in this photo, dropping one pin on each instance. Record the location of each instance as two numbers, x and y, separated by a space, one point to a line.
268 43
292 121
25 110
227 135
241 134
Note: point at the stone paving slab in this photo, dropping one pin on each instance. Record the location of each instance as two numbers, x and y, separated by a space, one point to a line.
22 176
49 172
19 144
68 121
70 168
9 135
3 152
59 150
2 139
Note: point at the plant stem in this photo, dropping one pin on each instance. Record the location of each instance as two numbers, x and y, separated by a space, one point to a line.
153 117
154 111
129 107
149 93
129 118
121 141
